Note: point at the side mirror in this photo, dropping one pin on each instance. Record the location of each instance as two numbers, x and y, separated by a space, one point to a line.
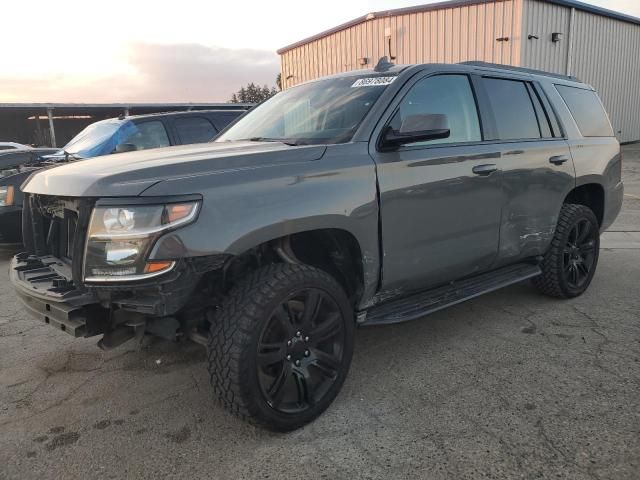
418 128
125 147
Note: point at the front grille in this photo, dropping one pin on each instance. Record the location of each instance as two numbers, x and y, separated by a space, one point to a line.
56 226
67 237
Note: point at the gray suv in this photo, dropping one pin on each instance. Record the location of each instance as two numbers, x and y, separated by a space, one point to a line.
366 198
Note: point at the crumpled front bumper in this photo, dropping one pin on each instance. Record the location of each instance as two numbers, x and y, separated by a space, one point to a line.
43 287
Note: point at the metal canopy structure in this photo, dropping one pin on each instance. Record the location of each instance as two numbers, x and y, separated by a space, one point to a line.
54 124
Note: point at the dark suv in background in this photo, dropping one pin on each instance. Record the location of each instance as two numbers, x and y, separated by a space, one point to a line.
114 135
366 198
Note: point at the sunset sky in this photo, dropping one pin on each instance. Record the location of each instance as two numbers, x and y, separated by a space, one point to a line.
191 50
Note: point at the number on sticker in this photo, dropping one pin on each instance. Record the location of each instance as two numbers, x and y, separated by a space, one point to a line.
372 81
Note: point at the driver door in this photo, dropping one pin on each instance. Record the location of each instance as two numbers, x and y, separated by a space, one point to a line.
440 200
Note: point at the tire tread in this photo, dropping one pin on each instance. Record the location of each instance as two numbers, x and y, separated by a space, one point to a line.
231 330
550 282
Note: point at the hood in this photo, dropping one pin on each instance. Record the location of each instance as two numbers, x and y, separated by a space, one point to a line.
130 174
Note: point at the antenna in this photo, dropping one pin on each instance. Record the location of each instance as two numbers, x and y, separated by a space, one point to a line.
383 65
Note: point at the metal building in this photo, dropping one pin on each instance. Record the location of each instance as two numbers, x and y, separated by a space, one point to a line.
599 46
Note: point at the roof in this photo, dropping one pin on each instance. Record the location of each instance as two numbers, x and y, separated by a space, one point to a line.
187 112
511 68
71 107
451 4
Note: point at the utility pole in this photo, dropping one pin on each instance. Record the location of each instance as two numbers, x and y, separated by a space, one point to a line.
52 130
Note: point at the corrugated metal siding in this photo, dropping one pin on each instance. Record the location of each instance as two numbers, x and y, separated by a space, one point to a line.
604 50
605 54
447 35
543 19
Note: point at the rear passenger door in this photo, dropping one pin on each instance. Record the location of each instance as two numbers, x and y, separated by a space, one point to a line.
193 129
536 164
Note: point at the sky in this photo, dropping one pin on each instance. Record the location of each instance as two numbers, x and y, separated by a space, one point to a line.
160 51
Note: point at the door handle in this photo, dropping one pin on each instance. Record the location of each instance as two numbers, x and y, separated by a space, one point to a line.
485 170
559 159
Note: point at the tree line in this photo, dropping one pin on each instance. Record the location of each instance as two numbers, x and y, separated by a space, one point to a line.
253 93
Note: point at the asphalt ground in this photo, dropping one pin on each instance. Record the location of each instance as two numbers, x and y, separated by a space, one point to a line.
510 385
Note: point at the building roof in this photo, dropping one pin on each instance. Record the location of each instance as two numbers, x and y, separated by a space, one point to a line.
451 4
72 107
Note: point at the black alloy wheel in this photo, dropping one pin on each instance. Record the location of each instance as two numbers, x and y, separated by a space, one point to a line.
280 346
570 263
579 253
300 351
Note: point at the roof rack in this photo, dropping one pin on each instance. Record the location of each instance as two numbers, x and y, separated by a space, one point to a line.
520 69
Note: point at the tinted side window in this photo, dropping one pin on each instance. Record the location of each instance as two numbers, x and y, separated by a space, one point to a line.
551 114
543 119
194 129
511 104
221 120
587 110
450 95
149 135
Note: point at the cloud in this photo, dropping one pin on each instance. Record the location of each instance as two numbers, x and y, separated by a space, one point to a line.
197 73
153 73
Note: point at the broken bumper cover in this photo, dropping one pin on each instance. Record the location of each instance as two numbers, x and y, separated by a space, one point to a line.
44 286
47 294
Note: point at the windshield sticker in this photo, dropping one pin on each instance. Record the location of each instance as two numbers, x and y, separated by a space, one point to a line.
373 81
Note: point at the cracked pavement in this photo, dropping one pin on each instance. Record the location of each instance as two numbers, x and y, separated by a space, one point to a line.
509 385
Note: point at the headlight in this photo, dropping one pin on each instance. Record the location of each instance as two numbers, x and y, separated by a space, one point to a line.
8 172
6 196
120 238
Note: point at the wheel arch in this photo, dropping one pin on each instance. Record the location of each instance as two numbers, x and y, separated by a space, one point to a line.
591 195
334 250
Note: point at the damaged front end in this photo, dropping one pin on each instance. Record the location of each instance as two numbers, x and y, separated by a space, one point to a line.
60 281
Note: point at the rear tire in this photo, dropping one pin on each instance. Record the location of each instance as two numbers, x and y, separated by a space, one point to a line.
281 345
570 264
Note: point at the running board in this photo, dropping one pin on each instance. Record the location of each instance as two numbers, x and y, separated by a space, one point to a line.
422 303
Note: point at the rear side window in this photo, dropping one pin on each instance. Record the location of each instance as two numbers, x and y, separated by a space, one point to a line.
587 110
221 120
514 112
149 135
194 130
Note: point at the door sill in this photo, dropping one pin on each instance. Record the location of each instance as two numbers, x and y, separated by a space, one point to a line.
423 303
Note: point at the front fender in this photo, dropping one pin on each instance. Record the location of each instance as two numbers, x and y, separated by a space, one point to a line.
246 208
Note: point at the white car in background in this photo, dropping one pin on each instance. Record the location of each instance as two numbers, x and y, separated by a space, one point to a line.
13 146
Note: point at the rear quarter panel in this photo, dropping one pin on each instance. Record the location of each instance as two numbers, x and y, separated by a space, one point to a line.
597 160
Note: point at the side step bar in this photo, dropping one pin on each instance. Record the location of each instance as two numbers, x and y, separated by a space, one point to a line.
422 303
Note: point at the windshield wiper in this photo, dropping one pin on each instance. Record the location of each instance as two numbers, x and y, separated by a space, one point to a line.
65 157
68 156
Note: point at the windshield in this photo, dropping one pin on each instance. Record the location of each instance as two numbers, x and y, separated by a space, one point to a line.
97 139
321 112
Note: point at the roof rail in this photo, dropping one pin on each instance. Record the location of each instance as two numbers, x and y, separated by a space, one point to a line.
520 69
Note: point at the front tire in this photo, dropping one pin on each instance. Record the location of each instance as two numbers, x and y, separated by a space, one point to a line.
281 345
570 264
